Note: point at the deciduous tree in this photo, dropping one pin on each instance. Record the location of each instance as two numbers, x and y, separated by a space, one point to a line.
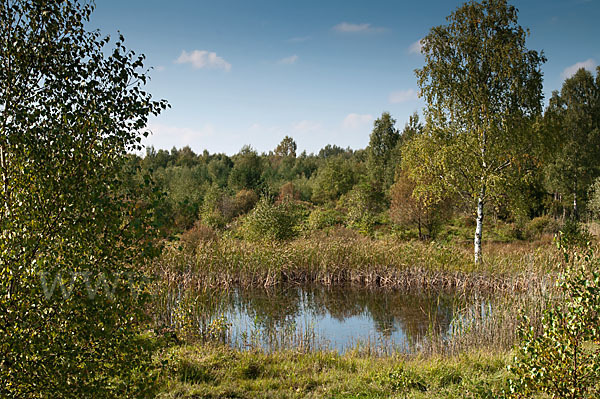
71 106
575 117
482 87
382 142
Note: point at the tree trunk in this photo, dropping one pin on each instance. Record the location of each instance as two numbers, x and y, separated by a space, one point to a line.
575 212
479 226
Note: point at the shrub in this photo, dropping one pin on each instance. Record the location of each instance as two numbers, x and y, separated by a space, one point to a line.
563 358
541 225
288 192
361 208
245 201
270 221
197 234
408 210
321 218
218 208
574 234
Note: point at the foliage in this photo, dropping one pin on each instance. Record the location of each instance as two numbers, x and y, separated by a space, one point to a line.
273 221
382 143
334 179
287 148
408 209
71 107
361 205
197 234
594 199
321 218
574 117
288 192
483 88
245 201
246 171
541 225
217 208
184 193
574 234
562 359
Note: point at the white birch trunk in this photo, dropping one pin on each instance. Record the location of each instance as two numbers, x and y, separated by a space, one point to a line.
479 227
575 212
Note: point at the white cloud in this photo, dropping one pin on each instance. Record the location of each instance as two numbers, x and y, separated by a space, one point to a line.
402 96
347 27
203 59
589 64
288 60
356 121
160 68
416 47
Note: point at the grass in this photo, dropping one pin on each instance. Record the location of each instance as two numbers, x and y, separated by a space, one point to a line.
350 258
208 371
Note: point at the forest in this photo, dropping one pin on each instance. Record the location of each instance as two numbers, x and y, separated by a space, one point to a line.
384 189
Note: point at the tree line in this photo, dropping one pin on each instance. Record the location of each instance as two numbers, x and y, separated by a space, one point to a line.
485 141
413 177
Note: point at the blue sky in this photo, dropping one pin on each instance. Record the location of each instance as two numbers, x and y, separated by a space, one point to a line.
252 72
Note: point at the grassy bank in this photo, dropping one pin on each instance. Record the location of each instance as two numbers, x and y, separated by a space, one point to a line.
206 371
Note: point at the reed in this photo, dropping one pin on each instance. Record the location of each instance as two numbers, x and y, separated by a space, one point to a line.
228 262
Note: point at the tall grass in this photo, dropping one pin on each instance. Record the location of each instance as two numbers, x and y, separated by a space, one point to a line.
228 262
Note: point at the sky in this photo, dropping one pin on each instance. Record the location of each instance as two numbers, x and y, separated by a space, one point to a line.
252 72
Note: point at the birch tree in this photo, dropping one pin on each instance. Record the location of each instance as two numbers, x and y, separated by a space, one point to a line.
72 105
573 115
482 87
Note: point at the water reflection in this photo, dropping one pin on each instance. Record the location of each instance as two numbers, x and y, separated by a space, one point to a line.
331 317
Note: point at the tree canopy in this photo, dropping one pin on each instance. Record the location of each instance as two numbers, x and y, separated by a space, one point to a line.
573 115
482 87
72 106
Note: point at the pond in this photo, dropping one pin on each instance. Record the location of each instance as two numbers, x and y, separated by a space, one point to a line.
335 318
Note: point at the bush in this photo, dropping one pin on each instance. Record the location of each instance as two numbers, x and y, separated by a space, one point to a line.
245 201
197 234
361 206
563 358
270 221
321 218
574 234
541 225
288 192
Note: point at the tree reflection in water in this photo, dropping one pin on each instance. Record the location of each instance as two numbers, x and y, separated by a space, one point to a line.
338 314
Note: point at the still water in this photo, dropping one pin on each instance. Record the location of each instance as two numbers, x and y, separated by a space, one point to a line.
336 318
